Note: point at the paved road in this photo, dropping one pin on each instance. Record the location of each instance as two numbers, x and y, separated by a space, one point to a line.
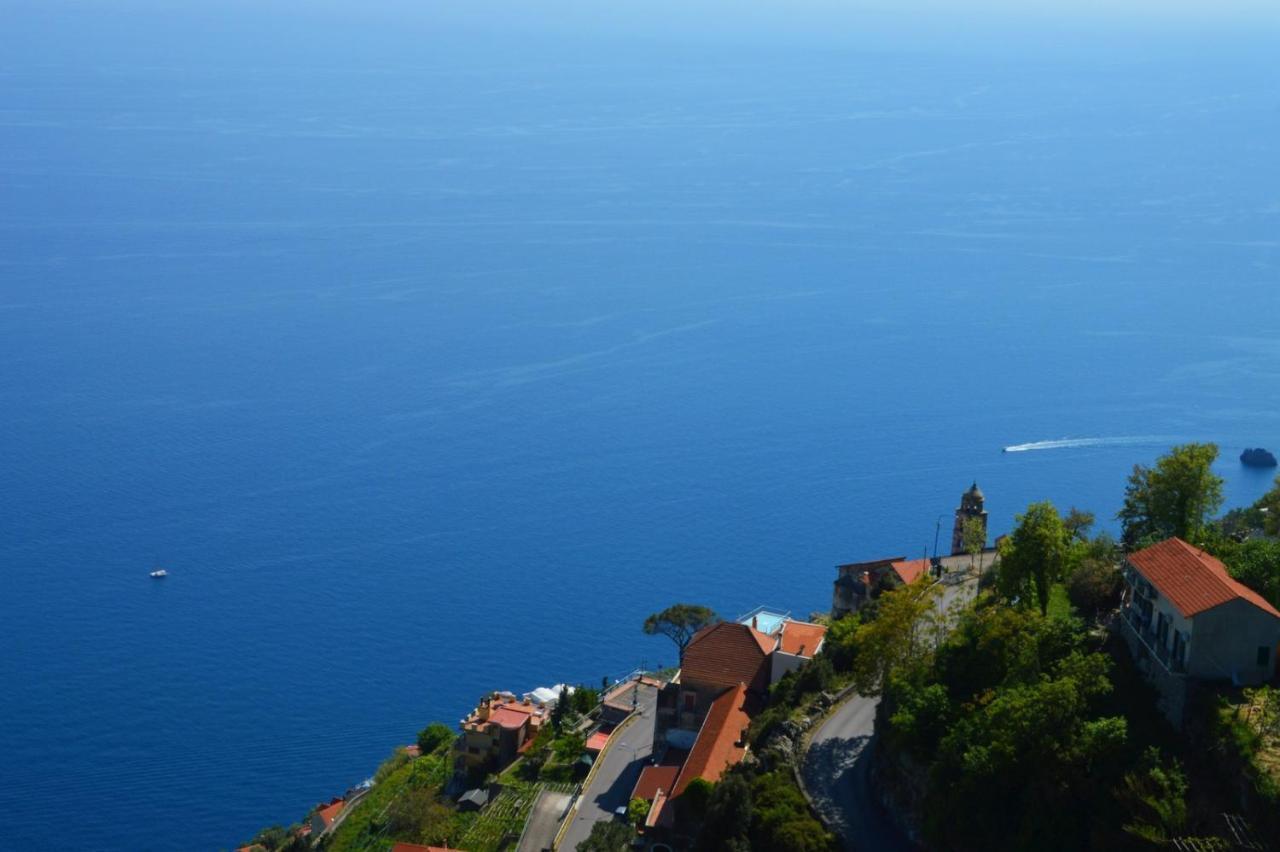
544 821
616 777
837 767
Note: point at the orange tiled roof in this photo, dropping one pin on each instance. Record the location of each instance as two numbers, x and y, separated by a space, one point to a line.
910 571
513 718
801 638
598 740
1191 579
727 654
859 567
416 847
717 746
330 812
655 778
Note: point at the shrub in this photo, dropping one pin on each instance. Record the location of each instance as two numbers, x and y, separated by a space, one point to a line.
1094 586
434 736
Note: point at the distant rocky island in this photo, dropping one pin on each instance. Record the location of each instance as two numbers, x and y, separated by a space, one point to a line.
1257 457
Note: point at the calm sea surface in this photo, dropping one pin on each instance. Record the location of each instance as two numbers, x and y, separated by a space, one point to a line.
425 375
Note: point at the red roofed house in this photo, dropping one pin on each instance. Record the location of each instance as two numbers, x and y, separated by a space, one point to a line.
798 641
720 743
908 571
324 816
857 583
721 740
1184 617
718 658
497 731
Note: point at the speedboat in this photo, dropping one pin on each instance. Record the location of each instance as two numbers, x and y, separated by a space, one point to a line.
159 574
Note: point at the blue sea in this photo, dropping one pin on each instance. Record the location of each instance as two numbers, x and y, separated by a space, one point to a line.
429 356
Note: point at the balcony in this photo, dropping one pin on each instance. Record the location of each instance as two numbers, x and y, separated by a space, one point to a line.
1141 628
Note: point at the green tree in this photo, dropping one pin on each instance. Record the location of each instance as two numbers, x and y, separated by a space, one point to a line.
1269 507
435 736
1175 498
569 747
679 623
558 712
781 821
1256 563
727 824
417 815
1078 522
584 699
973 536
638 811
694 801
1155 795
1093 586
607 836
907 628
1034 556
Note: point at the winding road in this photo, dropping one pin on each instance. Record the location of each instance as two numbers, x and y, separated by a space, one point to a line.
837 766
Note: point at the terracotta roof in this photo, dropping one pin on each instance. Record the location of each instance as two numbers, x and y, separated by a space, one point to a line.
1191 579
655 778
596 742
910 571
717 746
857 567
727 654
801 638
417 847
509 717
660 815
330 812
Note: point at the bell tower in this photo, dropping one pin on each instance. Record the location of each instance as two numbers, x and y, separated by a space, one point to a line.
972 504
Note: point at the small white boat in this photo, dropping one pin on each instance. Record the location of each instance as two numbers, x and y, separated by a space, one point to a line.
159 574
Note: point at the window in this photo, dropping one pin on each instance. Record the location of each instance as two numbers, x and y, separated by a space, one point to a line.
690 701
1264 655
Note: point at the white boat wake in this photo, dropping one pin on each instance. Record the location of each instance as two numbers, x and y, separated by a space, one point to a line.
1074 443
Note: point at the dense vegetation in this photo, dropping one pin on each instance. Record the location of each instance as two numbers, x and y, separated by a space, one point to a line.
752 809
1009 732
1018 728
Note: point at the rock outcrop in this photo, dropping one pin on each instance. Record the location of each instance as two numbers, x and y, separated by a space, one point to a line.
1257 457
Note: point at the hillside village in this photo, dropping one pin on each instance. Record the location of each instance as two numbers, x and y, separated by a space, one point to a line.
1054 689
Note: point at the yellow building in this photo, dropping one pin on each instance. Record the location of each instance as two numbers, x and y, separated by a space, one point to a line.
498 731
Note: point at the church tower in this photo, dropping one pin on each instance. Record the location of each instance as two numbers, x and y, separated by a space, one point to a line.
971 506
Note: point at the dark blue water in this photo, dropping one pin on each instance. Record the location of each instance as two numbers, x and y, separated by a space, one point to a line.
430 366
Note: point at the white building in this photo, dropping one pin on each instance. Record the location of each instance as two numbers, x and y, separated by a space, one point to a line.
1185 618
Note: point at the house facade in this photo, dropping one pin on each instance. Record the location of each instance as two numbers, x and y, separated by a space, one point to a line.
497 731
858 582
718 658
1185 619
